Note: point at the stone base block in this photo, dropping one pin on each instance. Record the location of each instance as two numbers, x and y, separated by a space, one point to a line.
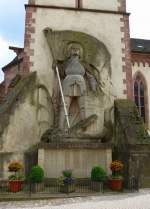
55 159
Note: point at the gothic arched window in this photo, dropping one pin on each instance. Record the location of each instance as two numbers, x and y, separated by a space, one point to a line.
140 95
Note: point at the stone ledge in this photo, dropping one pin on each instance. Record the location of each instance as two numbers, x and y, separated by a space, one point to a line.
140 148
76 9
75 145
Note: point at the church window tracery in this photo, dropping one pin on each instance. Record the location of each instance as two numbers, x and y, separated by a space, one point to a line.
140 92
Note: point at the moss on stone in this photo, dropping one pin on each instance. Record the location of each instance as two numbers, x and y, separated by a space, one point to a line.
16 95
49 98
83 124
15 80
126 114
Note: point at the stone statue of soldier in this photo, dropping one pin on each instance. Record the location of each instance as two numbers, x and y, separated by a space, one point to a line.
74 84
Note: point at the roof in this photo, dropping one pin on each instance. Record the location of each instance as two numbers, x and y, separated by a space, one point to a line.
140 45
17 50
15 61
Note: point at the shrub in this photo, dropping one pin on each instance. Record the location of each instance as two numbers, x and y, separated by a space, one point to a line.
36 174
67 178
67 173
98 174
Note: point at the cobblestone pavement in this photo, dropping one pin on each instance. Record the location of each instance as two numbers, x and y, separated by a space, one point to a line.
139 200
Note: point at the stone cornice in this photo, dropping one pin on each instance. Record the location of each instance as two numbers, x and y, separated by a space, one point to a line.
140 57
77 9
75 145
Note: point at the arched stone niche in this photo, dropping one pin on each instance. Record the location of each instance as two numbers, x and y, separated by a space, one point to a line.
97 100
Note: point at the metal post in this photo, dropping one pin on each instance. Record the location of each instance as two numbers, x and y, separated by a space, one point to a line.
62 95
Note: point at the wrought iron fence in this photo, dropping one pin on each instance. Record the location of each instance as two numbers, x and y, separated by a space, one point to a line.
30 189
134 184
51 188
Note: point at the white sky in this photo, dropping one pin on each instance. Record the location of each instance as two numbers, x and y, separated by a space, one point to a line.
12 25
139 18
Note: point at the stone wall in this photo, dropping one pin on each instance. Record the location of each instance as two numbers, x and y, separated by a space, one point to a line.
24 118
102 5
54 161
138 155
131 142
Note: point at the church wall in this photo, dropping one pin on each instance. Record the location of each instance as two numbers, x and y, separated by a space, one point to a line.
113 5
63 3
44 60
145 71
109 32
102 5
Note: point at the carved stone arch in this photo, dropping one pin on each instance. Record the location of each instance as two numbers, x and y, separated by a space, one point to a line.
92 85
95 51
138 80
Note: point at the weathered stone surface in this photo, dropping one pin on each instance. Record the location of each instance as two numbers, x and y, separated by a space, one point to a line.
19 91
77 156
127 115
52 135
131 141
25 115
